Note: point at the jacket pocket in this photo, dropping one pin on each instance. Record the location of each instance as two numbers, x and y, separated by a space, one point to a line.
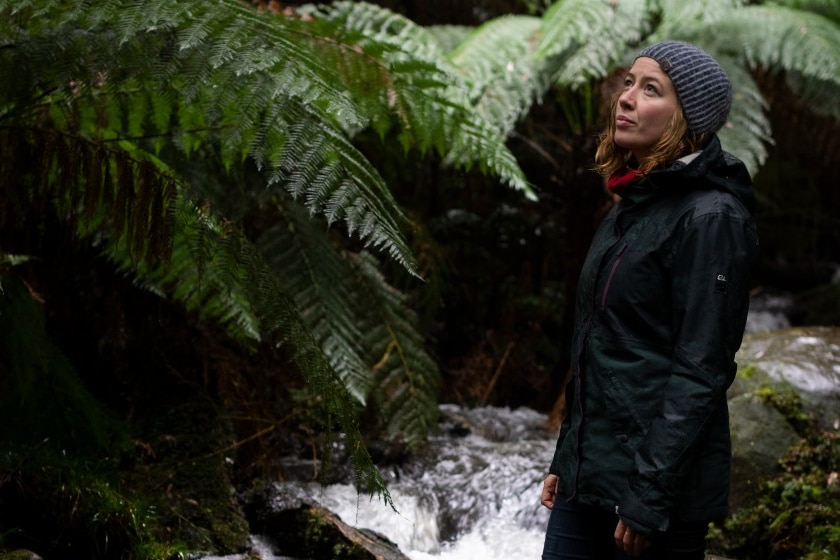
627 428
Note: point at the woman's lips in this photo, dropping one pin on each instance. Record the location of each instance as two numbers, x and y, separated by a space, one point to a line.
623 121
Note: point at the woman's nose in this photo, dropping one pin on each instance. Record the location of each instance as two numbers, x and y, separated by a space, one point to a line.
626 98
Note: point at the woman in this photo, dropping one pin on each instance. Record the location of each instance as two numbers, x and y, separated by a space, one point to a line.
643 458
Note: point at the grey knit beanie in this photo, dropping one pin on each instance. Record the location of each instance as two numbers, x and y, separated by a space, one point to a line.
703 88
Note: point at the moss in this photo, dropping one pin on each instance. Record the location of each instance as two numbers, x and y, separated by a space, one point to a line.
787 401
169 496
62 506
183 473
322 542
747 372
798 513
16 555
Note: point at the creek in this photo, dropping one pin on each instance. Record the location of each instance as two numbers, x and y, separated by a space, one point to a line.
475 493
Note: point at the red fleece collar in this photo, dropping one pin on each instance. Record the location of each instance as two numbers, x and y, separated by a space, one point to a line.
620 179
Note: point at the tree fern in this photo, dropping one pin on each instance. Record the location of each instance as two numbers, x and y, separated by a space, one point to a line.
676 18
226 94
406 378
449 36
747 131
589 38
827 8
428 94
310 266
804 45
128 99
503 75
569 24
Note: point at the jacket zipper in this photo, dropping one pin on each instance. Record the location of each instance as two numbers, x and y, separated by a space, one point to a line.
579 378
610 277
579 403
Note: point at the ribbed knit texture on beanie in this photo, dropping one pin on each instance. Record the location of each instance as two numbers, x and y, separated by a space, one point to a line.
703 88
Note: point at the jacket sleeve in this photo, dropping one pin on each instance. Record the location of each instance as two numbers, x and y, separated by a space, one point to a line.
712 258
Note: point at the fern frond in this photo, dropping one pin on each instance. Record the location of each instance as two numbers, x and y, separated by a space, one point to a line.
384 27
407 380
804 45
588 38
747 131
450 36
364 326
319 166
427 93
604 25
676 18
479 138
75 176
203 273
826 8
503 76
279 317
309 266
400 66
255 85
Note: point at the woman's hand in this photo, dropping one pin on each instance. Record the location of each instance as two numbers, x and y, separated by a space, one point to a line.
628 540
549 491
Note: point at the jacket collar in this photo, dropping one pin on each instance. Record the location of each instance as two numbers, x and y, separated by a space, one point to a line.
711 168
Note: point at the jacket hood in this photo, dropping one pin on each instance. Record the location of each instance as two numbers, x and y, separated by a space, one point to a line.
711 168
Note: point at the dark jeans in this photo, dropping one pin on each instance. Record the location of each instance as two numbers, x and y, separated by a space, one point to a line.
579 532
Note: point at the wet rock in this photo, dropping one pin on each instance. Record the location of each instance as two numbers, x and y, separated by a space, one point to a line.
806 359
761 435
788 384
19 555
299 527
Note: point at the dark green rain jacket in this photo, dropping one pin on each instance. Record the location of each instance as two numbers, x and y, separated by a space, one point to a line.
661 308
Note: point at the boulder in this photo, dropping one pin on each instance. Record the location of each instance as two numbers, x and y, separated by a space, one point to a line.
806 359
299 527
788 383
20 554
761 435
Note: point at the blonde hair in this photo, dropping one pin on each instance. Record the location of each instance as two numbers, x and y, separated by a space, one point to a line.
676 142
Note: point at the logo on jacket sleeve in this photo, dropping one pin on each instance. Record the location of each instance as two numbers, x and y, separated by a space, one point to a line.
720 283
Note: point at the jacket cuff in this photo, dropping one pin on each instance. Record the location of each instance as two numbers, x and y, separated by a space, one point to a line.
554 468
641 518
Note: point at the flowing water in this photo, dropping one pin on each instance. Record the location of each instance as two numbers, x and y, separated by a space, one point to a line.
475 494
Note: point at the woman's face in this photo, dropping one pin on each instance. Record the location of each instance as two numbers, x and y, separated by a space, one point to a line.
645 108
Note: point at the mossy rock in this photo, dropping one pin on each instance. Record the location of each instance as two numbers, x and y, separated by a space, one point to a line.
186 477
761 436
19 554
804 360
302 528
786 387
